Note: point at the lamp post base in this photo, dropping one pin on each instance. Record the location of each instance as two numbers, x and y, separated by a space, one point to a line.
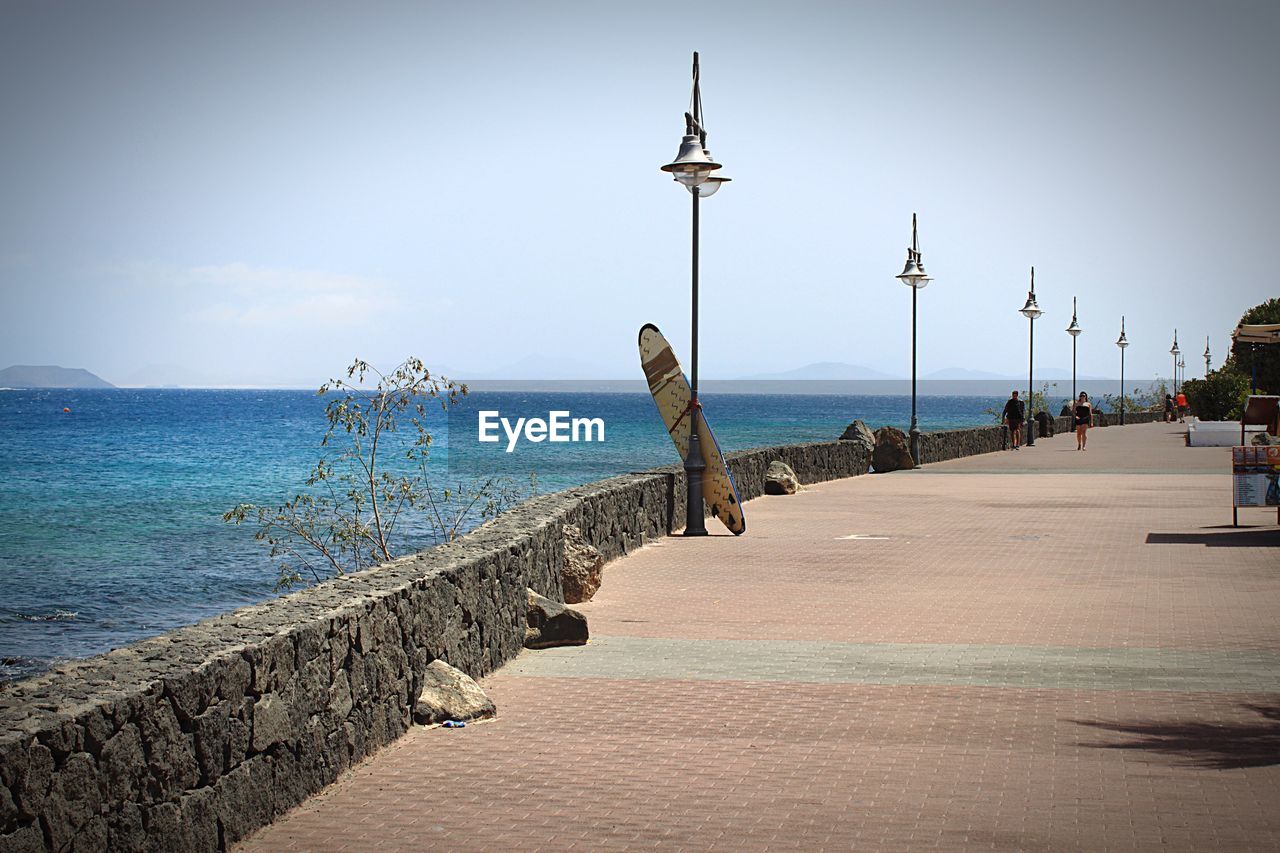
913 439
695 522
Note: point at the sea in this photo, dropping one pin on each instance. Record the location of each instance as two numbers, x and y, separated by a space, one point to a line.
111 500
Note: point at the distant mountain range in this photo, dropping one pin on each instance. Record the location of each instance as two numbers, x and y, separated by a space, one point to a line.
962 373
838 370
1046 374
825 370
49 376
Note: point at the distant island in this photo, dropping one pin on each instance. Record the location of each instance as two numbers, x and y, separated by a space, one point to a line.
49 376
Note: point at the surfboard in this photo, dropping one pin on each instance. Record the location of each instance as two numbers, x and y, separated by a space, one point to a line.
670 390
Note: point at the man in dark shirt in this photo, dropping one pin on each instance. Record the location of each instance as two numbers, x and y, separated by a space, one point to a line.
1014 415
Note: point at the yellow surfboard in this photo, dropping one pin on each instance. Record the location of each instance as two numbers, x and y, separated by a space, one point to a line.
670 390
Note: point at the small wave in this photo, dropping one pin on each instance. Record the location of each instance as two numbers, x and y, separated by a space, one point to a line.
55 616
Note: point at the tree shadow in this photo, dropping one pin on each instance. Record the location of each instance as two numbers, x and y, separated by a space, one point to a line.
1214 746
1243 538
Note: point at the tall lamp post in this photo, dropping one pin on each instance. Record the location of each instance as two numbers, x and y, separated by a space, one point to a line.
692 168
1122 342
913 275
1074 331
1206 356
1175 352
1031 311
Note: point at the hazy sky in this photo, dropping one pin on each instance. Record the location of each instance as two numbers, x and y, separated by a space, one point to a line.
255 193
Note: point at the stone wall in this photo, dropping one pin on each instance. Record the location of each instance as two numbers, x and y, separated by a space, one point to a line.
954 443
191 740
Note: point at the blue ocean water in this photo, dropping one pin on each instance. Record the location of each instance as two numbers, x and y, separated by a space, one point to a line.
110 513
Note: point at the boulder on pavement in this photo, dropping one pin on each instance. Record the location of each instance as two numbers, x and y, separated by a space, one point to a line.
583 566
861 433
892 453
552 624
780 479
450 694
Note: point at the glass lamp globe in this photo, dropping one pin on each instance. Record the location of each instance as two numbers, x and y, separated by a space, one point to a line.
692 166
1031 310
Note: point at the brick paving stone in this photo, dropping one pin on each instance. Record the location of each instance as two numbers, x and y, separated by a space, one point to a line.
1048 650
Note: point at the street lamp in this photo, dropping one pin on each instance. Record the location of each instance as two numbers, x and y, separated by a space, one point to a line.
692 168
1122 342
913 275
1074 331
1175 352
1206 356
1031 311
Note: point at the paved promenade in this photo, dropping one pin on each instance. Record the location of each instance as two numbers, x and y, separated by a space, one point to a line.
1032 650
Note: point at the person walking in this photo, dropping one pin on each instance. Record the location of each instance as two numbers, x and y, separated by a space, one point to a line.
1181 402
1082 417
1015 415
1168 408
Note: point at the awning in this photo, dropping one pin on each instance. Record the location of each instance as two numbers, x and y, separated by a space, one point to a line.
1257 333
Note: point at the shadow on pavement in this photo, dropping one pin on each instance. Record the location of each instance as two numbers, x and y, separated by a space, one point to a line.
1225 539
1215 746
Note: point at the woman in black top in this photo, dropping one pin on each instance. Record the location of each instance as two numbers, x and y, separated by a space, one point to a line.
1083 419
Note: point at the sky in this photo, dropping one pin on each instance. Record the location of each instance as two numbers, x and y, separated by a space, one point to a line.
254 194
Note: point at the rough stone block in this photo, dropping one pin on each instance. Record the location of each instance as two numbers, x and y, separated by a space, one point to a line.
34 780
340 701
860 433
583 567
92 837
190 693
271 724
171 759
74 799
8 809
244 799
551 624
780 479
239 733
124 828
210 737
450 694
62 736
122 765
97 727
234 678
25 839
892 452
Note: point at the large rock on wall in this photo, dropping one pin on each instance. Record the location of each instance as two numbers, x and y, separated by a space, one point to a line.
892 452
551 624
779 479
861 433
583 567
450 694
